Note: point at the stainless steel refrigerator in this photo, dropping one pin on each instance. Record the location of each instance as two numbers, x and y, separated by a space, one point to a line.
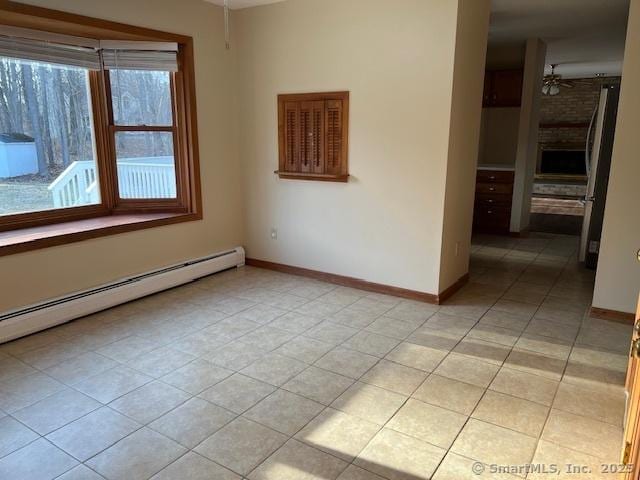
599 147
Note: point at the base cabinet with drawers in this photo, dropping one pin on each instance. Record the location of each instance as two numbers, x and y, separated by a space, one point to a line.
492 210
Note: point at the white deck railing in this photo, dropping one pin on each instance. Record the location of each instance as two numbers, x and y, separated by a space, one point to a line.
149 177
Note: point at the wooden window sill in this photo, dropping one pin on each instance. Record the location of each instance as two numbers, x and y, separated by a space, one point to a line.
322 177
25 239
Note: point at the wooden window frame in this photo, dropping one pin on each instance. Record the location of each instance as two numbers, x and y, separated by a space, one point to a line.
306 172
187 206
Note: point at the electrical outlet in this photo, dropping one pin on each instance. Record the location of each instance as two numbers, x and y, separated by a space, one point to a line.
274 234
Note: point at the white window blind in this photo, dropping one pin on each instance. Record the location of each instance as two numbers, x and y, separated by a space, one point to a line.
161 56
37 46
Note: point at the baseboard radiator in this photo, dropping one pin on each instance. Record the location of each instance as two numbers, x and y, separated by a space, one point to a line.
31 319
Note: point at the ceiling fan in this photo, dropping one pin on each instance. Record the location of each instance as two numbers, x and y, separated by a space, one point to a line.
551 83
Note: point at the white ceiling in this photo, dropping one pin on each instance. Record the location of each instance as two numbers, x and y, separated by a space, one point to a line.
583 37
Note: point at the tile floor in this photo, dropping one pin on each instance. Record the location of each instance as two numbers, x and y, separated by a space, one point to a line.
265 376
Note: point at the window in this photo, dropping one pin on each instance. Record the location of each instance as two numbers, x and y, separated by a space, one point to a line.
94 125
313 136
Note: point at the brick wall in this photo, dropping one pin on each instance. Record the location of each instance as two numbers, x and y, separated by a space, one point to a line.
574 105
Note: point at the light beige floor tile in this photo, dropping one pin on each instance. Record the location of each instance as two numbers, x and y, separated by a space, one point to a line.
456 467
452 394
460 367
241 445
318 308
338 433
599 405
138 456
14 435
305 349
297 461
347 362
266 337
332 333
450 323
56 410
394 377
517 308
196 376
233 305
195 467
23 391
353 318
493 334
160 361
492 444
274 369
319 385
412 311
52 354
435 338
393 327
369 403
372 306
551 329
93 433
107 386
428 423
371 343
80 473
507 320
149 401
11 367
235 355
262 314
237 393
511 412
551 347
595 368
400 457
38 460
565 461
127 348
192 422
536 364
356 473
481 350
80 368
284 412
586 435
416 356
525 385
295 322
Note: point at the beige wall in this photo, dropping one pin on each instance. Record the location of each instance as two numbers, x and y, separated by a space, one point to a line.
38 275
397 60
527 147
618 275
468 76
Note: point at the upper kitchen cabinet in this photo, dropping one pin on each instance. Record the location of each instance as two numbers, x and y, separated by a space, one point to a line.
502 88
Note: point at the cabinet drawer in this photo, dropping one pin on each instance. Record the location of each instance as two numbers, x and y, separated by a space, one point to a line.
493 199
491 219
494 176
493 188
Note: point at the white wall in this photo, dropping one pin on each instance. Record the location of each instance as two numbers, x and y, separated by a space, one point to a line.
468 82
37 275
527 150
618 274
397 60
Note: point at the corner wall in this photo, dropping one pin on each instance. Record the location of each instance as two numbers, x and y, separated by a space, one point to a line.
464 136
41 274
618 274
397 60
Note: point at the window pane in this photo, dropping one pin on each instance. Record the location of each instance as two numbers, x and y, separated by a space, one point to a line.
141 97
47 155
146 167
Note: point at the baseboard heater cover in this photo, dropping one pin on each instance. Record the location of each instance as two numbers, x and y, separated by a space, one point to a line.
24 321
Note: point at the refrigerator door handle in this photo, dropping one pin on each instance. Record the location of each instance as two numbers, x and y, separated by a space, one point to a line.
587 153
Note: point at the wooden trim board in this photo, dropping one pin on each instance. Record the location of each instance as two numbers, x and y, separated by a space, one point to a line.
359 283
612 315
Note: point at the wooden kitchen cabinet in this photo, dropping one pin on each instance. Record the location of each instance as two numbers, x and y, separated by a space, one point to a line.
502 88
492 210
